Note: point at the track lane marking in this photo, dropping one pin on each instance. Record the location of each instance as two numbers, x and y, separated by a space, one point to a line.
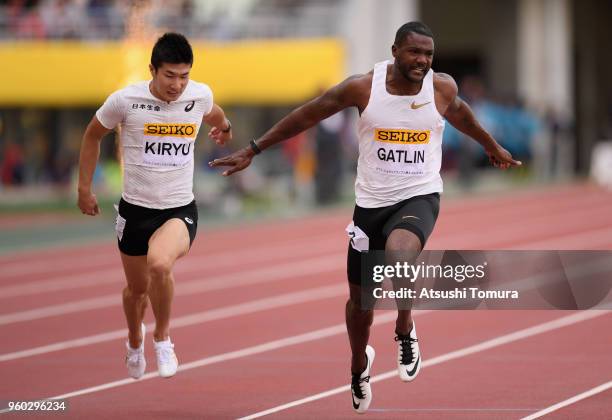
466 351
572 400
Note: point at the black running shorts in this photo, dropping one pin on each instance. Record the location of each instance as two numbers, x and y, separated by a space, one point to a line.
372 227
135 224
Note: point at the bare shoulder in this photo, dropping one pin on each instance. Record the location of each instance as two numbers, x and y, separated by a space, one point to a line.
354 90
358 82
445 85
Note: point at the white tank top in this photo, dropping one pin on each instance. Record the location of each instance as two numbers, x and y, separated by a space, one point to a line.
400 144
157 142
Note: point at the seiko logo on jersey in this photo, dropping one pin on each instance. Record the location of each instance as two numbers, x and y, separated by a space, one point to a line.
400 136
172 130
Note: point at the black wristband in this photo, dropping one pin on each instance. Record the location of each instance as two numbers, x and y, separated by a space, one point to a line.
254 147
229 127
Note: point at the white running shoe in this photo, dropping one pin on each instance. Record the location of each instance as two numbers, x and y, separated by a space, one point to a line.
167 363
408 355
135 359
361 391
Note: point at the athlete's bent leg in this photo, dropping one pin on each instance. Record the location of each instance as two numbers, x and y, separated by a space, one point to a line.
167 244
135 295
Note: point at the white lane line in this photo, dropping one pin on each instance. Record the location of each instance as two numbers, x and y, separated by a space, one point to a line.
513 232
96 277
485 345
223 259
258 277
340 329
110 255
444 410
224 357
586 394
114 274
521 284
244 277
56 283
225 312
591 237
45 265
451 208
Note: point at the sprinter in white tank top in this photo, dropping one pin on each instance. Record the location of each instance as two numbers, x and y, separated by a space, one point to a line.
157 216
402 105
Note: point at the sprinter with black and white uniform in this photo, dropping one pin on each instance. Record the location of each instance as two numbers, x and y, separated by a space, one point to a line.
402 106
157 218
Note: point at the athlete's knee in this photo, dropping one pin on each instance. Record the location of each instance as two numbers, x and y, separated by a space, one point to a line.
403 240
135 291
159 267
354 306
356 314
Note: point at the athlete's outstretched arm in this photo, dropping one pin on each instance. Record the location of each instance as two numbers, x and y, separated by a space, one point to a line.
348 93
88 159
221 131
460 115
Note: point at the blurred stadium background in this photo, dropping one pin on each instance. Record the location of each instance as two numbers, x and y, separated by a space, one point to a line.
535 71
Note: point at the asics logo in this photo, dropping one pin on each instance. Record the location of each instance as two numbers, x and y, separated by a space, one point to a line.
188 220
189 106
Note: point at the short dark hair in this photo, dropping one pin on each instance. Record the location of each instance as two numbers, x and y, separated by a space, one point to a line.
412 27
171 48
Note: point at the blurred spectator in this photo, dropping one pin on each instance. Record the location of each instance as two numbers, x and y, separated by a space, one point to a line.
508 121
63 19
328 169
24 19
12 166
472 89
298 152
210 19
105 19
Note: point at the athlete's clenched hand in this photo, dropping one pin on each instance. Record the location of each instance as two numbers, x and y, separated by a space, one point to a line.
88 203
237 161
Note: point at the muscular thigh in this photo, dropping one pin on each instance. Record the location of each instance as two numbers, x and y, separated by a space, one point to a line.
170 241
417 215
411 220
365 236
139 227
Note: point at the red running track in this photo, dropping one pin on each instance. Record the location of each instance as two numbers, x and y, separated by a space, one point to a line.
258 325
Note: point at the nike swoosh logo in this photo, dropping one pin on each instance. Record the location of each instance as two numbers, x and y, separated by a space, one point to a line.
411 217
414 369
414 105
355 405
